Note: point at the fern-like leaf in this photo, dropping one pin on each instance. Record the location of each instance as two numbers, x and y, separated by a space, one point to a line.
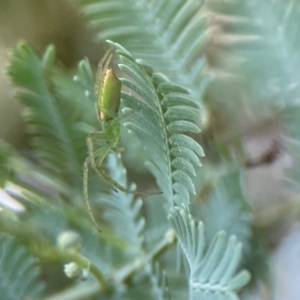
58 141
165 112
19 275
169 35
213 270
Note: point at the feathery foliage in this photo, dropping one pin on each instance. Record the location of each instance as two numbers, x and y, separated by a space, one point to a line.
166 111
166 51
55 134
168 35
213 270
19 274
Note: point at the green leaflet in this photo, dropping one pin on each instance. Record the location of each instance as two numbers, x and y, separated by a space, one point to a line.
168 88
186 153
182 177
186 141
183 126
182 112
181 190
181 163
174 99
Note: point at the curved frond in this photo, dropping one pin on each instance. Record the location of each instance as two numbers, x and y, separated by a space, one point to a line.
58 140
168 35
19 274
213 270
161 124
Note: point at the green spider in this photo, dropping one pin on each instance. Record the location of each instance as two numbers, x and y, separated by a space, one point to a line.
108 93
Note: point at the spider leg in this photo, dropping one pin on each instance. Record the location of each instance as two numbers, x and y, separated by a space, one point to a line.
101 154
114 116
120 117
123 189
97 166
90 160
97 163
86 192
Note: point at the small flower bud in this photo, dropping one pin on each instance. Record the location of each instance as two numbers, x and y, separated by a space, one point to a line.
69 240
72 270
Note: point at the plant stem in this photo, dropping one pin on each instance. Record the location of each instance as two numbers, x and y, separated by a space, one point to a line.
125 273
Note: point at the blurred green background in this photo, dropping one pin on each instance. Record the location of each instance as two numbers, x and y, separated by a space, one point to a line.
58 22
